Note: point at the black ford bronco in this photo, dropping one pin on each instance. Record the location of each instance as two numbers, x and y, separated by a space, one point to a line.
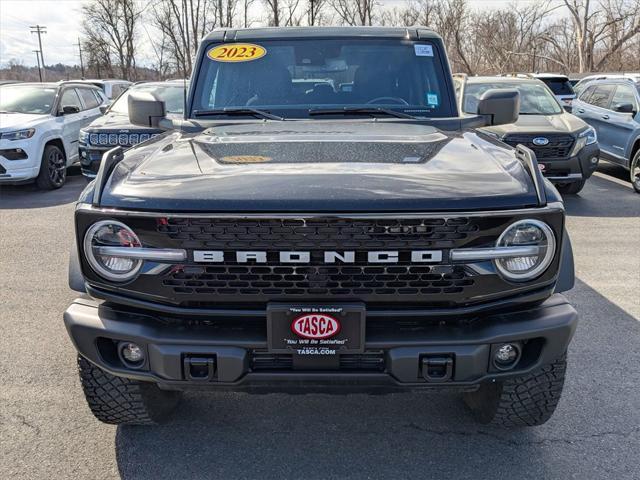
323 219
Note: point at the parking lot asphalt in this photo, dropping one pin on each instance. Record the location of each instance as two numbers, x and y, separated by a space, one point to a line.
46 430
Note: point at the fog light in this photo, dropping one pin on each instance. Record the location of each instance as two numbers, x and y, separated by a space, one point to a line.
131 353
594 160
506 356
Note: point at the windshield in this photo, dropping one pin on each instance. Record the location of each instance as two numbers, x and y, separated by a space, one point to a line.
171 95
291 77
535 99
559 86
27 99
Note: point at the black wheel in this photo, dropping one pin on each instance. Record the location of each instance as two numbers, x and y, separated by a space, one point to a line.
121 401
521 401
571 188
53 168
635 172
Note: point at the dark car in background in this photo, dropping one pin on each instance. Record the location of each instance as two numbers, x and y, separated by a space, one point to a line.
113 129
561 87
565 146
612 107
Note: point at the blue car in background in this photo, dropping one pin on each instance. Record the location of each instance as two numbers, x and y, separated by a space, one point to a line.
612 107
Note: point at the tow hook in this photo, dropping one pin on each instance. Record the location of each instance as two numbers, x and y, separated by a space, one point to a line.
200 369
437 369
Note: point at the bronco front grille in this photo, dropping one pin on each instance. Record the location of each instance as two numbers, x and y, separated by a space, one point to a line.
238 234
319 280
559 146
230 281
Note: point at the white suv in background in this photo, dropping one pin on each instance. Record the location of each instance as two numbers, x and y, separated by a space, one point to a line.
39 129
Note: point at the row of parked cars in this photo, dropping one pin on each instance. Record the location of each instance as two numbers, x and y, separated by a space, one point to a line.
604 122
45 127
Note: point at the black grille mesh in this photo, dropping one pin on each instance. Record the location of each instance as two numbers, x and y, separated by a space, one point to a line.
371 361
276 234
315 235
559 146
318 280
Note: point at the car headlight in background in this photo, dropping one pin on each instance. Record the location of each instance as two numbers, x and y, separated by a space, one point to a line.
586 137
110 233
84 136
525 233
19 134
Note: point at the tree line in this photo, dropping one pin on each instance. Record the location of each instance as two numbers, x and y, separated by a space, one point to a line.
569 36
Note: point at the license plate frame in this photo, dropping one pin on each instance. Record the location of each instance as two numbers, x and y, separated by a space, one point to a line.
282 339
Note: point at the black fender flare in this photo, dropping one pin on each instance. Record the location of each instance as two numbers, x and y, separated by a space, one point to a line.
566 273
76 280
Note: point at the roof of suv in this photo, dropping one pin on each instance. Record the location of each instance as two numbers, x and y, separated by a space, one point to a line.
63 83
501 79
233 34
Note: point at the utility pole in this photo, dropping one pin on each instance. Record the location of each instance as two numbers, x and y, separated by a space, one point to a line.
81 63
37 52
40 29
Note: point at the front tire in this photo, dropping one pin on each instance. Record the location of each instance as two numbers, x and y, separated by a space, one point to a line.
571 188
53 168
635 172
122 401
528 400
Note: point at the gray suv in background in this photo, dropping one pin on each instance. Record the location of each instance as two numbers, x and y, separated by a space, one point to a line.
565 146
612 107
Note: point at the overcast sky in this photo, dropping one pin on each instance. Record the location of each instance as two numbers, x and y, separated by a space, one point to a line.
62 19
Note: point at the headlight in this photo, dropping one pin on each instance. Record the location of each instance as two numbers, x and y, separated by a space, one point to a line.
19 134
109 233
590 135
84 136
526 233
586 137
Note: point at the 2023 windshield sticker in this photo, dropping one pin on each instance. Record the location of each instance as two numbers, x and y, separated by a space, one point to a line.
236 52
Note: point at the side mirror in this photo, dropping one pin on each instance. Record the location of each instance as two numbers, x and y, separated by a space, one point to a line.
145 109
623 108
103 108
500 105
67 109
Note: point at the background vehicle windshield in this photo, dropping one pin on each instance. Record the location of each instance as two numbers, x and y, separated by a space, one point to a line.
535 99
294 76
559 86
27 99
170 94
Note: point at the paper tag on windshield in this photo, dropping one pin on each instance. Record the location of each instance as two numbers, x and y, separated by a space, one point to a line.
423 50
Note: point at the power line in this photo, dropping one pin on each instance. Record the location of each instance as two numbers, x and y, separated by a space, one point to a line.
39 29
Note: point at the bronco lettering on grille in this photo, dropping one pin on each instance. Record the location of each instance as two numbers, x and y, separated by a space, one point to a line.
384 256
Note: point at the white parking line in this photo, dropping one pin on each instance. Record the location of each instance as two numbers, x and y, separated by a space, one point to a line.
613 179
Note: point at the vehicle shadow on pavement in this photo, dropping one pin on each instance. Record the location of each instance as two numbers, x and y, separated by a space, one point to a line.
14 197
410 435
597 200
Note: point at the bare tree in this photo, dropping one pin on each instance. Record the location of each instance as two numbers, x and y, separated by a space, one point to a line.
113 25
315 12
606 26
355 12
184 23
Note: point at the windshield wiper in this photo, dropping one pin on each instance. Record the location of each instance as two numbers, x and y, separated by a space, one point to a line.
253 112
360 111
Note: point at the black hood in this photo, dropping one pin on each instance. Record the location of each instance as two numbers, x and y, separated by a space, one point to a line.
320 166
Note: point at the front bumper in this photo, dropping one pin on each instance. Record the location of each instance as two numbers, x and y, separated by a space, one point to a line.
573 169
90 158
19 161
237 349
